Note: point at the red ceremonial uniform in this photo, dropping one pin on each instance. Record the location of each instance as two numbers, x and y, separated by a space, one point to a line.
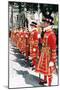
21 42
16 37
48 54
13 36
27 48
18 40
34 49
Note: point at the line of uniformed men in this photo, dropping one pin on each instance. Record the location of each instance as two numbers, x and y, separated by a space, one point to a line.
41 52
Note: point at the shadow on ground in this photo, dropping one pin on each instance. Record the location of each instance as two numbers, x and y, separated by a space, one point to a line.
29 78
20 58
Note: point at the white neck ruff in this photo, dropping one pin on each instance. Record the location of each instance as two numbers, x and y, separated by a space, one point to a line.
49 28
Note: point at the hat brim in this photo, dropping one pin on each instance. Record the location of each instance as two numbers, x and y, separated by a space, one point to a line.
32 25
48 22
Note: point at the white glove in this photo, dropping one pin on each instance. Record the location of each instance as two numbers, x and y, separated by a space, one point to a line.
39 36
34 49
51 64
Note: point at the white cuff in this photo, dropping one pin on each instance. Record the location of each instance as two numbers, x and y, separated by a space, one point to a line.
51 64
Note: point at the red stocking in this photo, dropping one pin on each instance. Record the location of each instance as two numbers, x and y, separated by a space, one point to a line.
49 80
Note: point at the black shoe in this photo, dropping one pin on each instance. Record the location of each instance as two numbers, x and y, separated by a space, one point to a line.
33 68
31 65
42 81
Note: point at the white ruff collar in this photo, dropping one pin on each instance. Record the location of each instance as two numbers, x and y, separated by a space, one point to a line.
49 28
34 29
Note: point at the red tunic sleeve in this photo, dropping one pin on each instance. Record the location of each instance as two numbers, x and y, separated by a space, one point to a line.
52 45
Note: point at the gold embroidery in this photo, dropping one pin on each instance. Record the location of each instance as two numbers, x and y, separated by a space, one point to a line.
53 53
54 57
54 50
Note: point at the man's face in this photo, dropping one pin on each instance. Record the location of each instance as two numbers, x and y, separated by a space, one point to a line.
46 24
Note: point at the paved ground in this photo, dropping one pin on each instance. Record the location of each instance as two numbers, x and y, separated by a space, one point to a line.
21 75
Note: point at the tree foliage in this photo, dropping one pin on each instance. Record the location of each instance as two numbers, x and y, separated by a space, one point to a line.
48 8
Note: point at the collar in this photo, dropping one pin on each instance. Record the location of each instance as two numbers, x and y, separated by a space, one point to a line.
25 31
34 29
21 31
49 28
